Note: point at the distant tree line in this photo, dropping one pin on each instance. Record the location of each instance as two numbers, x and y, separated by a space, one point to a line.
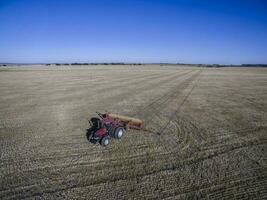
161 64
254 65
219 65
113 63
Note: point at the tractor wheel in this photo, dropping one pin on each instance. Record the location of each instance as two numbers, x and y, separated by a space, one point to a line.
104 141
119 132
90 137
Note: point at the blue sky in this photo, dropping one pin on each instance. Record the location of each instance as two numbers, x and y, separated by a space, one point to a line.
223 31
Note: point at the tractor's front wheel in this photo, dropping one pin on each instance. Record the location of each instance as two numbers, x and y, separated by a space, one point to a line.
104 141
119 132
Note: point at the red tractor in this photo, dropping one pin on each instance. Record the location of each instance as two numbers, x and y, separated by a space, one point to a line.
111 125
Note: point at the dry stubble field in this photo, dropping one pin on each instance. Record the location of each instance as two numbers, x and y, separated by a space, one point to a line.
213 128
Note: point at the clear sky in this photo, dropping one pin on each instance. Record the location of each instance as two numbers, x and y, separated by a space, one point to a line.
190 31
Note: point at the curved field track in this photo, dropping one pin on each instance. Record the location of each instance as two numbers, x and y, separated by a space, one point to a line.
208 132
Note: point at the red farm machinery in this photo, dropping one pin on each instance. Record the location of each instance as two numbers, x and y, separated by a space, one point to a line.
110 125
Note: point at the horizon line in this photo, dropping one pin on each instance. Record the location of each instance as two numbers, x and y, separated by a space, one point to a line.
125 63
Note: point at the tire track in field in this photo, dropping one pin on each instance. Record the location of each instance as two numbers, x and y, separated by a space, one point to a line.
161 84
160 102
191 132
164 97
155 108
182 133
182 103
155 111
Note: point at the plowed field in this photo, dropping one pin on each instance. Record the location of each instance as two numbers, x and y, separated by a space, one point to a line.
212 124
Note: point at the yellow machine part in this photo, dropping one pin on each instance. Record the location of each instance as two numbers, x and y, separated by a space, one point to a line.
126 119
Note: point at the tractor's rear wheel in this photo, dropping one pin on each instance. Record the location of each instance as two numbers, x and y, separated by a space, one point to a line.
119 132
104 141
